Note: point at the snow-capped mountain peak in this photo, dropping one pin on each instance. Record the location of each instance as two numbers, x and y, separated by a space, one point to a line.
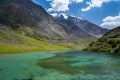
65 16
80 27
79 18
57 15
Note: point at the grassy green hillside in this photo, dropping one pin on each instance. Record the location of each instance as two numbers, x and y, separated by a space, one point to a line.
109 43
17 41
11 41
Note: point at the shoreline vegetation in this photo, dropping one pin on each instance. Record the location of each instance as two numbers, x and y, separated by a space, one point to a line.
10 48
14 42
109 43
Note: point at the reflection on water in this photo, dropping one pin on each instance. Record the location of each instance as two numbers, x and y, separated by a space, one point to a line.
66 65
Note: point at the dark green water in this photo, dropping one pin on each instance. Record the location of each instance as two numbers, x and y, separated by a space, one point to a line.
64 65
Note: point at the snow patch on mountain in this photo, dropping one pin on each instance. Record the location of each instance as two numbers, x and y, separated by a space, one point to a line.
57 15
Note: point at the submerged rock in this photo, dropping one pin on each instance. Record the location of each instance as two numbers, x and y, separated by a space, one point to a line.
1 69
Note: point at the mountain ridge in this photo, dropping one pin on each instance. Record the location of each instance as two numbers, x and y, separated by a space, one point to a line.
84 26
109 43
24 13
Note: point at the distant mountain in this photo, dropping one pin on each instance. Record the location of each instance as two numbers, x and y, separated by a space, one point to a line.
24 14
109 43
78 27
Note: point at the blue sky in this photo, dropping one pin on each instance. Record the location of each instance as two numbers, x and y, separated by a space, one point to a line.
105 13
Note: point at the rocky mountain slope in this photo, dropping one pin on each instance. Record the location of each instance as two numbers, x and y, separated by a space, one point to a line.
14 42
109 43
31 20
24 14
78 27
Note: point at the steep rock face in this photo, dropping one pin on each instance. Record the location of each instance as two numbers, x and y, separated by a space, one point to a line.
79 27
109 43
22 13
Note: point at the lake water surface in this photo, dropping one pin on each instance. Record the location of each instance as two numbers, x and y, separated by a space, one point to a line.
64 65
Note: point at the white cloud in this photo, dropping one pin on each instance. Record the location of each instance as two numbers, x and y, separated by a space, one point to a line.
111 22
95 3
61 5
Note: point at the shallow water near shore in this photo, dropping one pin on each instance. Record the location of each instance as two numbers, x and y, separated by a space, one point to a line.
64 65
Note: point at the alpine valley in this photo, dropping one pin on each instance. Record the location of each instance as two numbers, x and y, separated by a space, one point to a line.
36 44
26 26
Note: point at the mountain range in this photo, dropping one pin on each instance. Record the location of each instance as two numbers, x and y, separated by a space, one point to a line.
77 27
20 14
24 23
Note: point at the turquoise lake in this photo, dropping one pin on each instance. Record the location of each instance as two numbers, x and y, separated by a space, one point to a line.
61 65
